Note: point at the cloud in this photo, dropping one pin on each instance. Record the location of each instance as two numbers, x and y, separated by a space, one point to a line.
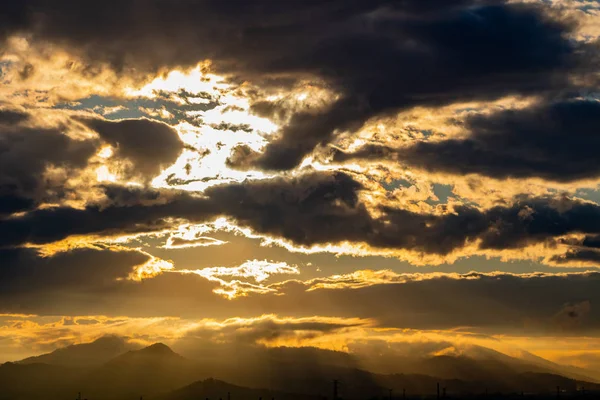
256 271
269 329
460 40
498 302
553 141
489 49
572 316
201 241
148 211
150 146
317 209
26 276
29 153
48 158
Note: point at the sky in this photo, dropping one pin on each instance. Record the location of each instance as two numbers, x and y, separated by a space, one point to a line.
351 175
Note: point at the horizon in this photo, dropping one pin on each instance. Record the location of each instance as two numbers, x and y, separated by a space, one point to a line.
370 183
210 381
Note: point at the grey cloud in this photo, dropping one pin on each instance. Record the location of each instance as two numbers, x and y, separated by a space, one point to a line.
311 209
149 145
29 281
496 302
53 224
26 152
29 147
555 141
380 56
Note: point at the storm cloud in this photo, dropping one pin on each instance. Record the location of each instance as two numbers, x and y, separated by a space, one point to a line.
38 159
312 209
379 57
27 152
554 141
148 145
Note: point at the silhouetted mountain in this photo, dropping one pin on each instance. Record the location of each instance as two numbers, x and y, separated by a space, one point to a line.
35 381
569 371
84 355
284 373
149 371
216 389
470 363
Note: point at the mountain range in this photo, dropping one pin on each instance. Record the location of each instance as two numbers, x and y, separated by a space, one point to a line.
111 368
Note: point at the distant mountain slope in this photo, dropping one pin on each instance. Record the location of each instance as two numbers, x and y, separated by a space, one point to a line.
215 389
147 372
84 355
36 381
157 372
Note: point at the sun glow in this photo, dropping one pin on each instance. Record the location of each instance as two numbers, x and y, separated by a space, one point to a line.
195 80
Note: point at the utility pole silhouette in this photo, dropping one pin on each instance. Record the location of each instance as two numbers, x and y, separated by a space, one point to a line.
558 392
403 394
438 390
390 397
335 389
228 395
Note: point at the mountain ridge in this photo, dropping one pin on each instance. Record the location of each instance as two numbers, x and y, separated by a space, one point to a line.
156 371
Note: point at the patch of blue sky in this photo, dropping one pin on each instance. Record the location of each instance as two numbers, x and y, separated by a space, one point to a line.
141 107
396 184
442 192
589 194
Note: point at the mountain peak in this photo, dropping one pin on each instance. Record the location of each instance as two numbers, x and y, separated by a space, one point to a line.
158 349
97 352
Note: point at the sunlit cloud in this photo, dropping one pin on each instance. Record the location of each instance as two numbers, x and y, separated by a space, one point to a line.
365 278
199 169
151 268
196 80
254 271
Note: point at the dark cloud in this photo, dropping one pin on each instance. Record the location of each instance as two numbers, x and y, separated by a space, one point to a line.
380 56
149 145
29 280
308 210
26 153
572 316
578 255
553 141
580 251
29 148
393 63
12 117
131 211
324 208
271 328
501 302
497 302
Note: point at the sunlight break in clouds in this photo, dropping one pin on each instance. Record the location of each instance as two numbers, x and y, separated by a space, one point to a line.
254 270
391 180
